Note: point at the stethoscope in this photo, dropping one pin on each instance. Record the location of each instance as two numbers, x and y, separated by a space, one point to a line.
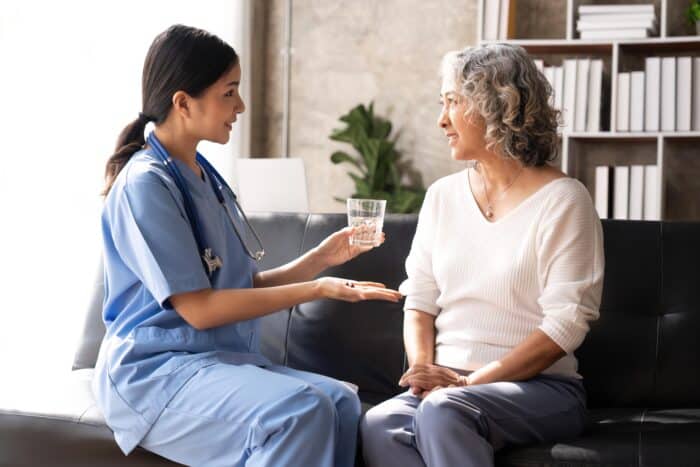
218 184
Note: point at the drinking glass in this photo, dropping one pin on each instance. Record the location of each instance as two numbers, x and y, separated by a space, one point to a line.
367 216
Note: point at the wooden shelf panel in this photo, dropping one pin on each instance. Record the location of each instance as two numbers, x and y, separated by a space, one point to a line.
561 46
685 44
603 47
611 136
645 135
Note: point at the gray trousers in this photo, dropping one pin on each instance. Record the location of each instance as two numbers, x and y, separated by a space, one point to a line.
464 426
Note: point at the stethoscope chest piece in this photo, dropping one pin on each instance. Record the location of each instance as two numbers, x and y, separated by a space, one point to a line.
212 262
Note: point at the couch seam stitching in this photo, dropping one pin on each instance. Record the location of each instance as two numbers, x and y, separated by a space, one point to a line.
639 438
291 310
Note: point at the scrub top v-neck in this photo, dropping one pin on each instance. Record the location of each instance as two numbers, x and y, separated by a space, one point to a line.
150 253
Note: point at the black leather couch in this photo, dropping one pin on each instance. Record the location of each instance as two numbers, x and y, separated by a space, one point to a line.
641 360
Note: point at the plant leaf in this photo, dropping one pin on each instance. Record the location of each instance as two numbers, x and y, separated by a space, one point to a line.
361 186
381 173
339 157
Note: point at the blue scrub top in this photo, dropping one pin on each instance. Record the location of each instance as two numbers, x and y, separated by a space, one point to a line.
149 351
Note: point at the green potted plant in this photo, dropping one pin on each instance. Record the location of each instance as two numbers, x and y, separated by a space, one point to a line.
378 173
693 14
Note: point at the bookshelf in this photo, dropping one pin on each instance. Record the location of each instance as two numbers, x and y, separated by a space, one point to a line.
547 30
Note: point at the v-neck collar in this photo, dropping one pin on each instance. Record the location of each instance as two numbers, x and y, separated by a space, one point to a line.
470 194
189 174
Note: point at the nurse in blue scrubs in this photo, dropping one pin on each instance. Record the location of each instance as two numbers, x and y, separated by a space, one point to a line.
180 372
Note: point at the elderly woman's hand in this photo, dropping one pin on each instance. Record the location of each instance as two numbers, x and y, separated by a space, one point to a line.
425 378
336 249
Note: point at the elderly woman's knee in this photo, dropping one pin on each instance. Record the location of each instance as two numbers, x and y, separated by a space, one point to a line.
375 423
441 411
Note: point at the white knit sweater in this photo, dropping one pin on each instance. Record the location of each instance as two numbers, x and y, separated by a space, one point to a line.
490 285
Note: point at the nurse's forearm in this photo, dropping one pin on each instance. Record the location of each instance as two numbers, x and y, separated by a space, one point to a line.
529 358
302 269
209 308
419 337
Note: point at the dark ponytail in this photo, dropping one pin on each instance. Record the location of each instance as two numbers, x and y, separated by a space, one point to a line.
180 59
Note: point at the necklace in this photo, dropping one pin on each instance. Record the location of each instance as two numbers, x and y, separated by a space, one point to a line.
489 205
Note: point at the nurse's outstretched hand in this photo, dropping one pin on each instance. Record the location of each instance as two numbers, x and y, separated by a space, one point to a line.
336 249
355 291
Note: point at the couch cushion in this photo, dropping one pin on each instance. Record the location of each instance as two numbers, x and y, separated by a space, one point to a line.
281 235
670 437
57 423
621 437
612 439
93 326
677 382
618 356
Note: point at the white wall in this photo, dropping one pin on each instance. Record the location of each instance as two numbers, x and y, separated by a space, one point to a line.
70 75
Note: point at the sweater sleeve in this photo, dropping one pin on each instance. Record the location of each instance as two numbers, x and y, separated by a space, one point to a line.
570 268
420 288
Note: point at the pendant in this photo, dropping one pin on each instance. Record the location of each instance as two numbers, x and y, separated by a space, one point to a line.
489 213
213 262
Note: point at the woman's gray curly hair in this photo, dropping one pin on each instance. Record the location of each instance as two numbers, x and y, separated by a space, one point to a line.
503 86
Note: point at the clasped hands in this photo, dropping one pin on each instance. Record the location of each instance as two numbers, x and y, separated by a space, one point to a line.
423 379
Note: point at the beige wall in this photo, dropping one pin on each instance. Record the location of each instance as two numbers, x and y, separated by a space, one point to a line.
348 52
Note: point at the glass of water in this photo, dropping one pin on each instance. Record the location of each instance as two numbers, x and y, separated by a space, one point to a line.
367 217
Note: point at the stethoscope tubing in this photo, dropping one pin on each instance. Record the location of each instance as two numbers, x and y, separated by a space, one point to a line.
218 185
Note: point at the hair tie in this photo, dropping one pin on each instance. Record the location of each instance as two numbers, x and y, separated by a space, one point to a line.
145 118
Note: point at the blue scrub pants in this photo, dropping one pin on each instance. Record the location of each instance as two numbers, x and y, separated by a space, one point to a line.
244 415
464 426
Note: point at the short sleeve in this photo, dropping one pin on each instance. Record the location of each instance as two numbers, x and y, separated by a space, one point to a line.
155 240
570 268
420 288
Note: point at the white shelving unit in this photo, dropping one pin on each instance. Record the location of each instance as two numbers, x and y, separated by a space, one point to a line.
677 154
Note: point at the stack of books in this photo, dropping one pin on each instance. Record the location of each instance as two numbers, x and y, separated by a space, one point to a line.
579 90
616 21
627 192
663 97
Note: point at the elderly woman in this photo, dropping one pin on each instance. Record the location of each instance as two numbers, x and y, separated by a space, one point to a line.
504 275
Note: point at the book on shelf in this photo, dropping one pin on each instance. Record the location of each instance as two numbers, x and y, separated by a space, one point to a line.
684 75
637 101
615 9
604 22
652 76
636 192
632 33
548 72
668 94
641 19
595 95
622 122
569 97
627 192
583 66
651 209
621 189
604 176
696 94
558 87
